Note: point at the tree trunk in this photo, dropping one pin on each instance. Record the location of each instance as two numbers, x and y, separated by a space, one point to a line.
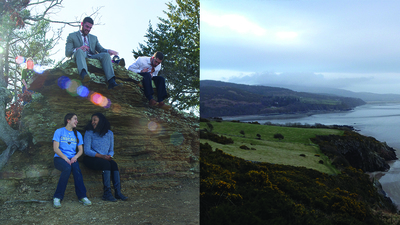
8 135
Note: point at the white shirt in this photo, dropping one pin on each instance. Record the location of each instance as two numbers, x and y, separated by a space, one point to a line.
144 62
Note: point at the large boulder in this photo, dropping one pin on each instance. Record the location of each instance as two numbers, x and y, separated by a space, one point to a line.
150 143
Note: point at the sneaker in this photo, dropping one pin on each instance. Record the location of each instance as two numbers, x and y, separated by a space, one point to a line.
57 203
85 201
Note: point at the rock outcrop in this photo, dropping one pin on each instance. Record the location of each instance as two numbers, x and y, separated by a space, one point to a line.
361 152
149 142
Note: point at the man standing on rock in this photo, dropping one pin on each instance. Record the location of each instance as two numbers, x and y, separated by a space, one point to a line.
149 67
81 45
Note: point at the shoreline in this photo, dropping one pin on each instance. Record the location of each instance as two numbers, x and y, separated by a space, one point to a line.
279 116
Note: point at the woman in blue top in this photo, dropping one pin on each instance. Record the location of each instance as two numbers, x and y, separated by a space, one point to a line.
65 141
99 150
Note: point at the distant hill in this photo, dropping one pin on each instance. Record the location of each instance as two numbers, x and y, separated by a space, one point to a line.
366 96
228 99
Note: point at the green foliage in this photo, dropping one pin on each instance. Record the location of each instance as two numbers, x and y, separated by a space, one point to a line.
210 127
178 37
204 134
235 191
242 132
244 147
361 152
24 33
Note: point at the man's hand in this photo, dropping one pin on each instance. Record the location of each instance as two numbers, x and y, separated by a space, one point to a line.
107 157
112 52
84 48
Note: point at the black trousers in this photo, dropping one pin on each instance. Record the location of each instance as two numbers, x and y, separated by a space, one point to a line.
99 163
159 82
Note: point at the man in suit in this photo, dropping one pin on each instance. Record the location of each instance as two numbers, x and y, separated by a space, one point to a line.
81 45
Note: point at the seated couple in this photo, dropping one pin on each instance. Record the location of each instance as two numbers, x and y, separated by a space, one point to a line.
98 149
81 45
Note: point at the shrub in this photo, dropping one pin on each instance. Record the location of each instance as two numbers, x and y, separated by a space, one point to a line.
259 136
13 114
204 120
210 127
244 147
204 134
242 132
278 136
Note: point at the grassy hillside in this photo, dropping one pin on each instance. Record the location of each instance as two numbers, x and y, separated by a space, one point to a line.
284 188
287 151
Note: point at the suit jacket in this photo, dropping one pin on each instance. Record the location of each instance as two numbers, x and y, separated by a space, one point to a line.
74 40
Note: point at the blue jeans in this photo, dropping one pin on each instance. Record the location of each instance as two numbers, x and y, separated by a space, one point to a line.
66 170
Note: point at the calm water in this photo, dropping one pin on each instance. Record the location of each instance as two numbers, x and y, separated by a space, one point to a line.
379 121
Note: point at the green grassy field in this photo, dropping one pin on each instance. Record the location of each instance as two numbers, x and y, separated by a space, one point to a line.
286 151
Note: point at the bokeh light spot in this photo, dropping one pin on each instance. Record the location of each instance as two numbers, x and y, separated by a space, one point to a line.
82 91
63 81
38 69
152 126
108 104
1 50
177 138
72 87
19 59
116 108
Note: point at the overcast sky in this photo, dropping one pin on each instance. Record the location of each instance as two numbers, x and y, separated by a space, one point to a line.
353 45
123 23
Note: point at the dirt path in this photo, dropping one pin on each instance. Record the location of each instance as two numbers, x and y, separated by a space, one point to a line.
176 204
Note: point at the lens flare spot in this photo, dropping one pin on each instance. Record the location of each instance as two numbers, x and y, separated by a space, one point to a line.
177 138
108 104
143 122
82 91
152 126
19 59
63 81
116 108
104 102
96 98
38 69
72 87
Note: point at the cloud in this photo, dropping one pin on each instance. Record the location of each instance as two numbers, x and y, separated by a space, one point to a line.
300 79
234 22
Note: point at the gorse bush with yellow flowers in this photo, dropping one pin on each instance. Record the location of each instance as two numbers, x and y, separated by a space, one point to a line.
236 191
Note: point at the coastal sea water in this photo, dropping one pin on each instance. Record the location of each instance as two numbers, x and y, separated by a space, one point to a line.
381 121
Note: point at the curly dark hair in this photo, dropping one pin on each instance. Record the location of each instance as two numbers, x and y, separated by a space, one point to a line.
103 126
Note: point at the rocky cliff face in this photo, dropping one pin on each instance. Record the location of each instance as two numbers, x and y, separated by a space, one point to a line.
361 152
149 142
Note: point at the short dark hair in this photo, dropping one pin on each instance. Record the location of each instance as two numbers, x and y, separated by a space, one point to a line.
159 55
87 19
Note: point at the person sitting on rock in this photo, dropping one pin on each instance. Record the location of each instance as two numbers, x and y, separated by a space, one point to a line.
65 142
149 67
81 45
99 150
